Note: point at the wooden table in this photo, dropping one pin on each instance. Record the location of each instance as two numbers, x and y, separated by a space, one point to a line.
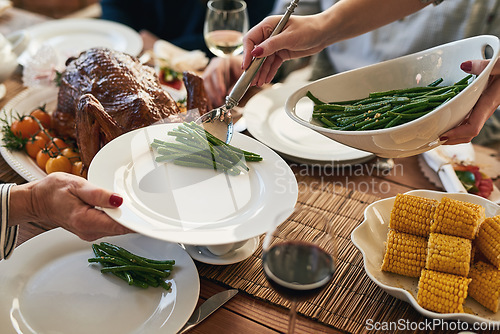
245 314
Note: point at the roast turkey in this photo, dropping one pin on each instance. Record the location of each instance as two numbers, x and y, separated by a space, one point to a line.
104 93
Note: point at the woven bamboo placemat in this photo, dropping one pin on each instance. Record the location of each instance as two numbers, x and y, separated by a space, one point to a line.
352 298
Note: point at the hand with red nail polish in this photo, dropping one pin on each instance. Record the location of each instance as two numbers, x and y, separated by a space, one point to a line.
485 107
67 201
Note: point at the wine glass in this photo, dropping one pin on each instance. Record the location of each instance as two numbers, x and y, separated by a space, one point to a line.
299 256
226 22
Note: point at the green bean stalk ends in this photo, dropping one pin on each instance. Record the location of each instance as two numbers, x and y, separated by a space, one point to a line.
196 147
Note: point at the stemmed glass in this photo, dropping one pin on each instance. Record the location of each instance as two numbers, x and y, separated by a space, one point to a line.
299 256
226 22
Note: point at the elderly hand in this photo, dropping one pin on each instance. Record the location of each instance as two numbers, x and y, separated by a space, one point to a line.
68 201
484 108
214 78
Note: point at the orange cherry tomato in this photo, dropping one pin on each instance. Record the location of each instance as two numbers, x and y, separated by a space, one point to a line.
46 133
34 145
56 146
58 164
26 127
71 154
41 159
43 116
78 169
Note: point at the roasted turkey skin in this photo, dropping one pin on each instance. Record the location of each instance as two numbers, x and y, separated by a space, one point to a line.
129 92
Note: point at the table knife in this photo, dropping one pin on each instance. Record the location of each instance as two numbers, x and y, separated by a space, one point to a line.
443 167
207 308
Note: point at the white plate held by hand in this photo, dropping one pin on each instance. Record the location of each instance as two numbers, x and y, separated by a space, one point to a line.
192 206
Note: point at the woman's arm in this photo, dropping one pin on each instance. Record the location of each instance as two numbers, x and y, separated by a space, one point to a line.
307 35
68 201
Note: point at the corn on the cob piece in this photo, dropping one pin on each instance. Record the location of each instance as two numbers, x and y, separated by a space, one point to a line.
405 254
458 218
412 214
485 285
442 292
488 240
448 254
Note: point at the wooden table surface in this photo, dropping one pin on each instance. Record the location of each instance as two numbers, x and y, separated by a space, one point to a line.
243 313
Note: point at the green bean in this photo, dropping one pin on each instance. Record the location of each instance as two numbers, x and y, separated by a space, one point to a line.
327 122
377 123
369 100
219 143
131 268
393 122
402 91
367 107
329 107
435 83
314 98
108 260
464 80
364 116
133 258
134 268
232 171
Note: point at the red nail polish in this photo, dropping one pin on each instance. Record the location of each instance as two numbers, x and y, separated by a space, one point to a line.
115 200
466 66
257 51
443 138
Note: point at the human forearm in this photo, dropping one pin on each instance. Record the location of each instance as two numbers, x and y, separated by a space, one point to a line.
20 204
306 35
350 18
68 201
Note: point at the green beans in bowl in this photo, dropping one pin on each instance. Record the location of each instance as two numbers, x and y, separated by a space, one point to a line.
361 97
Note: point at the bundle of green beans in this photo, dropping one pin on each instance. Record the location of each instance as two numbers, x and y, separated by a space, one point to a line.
133 269
385 109
196 147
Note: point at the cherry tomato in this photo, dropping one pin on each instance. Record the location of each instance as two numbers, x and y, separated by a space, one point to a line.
41 159
58 164
78 169
26 127
56 146
43 116
34 145
46 133
71 154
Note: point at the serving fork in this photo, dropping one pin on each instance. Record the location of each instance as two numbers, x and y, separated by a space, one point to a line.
219 120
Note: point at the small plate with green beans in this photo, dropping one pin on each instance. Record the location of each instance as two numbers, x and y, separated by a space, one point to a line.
399 107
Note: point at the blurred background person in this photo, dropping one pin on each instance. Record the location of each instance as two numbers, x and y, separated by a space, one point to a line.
181 23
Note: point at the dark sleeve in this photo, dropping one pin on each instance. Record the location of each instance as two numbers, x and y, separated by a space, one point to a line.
179 22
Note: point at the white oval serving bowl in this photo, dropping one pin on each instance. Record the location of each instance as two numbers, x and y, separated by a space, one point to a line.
418 69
